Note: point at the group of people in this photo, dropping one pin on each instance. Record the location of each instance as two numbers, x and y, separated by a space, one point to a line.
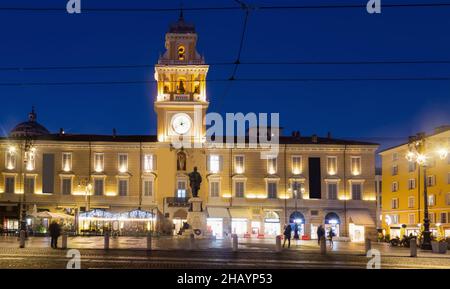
320 234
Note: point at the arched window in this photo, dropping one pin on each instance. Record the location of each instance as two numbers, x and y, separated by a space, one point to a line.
332 218
297 217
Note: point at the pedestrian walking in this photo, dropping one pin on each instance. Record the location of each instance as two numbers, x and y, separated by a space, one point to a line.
330 237
55 232
287 235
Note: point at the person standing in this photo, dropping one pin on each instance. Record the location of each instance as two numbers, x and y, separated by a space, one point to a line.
287 235
320 233
55 232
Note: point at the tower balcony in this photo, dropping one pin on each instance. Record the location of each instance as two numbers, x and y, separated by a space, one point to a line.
180 97
181 62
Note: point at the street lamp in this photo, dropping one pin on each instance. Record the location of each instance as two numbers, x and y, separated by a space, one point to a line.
418 152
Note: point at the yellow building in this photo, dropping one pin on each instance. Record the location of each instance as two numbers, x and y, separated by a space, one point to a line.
403 187
312 181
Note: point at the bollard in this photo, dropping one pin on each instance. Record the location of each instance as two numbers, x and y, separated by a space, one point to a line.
368 245
106 240
22 238
278 244
323 246
413 247
149 241
235 242
64 241
192 241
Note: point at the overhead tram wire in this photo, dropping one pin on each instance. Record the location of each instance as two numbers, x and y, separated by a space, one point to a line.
145 66
227 89
228 8
134 82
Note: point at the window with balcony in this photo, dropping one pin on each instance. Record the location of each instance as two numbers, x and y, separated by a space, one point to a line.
10 184
356 165
394 171
332 165
431 200
123 163
99 187
239 164
181 189
332 191
411 184
411 167
30 158
148 163
214 164
443 218
67 162
148 187
394 187
411 202
272 165
239 189
394 203
296 165
214 188
10 159
99 162
123 187
29 185
356 191
66 186
272 190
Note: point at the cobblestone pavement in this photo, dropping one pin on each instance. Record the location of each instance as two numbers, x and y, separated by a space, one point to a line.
130 252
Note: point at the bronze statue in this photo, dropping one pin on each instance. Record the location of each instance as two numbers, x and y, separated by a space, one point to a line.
195 179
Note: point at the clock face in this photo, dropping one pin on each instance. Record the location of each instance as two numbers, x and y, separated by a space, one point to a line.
181 123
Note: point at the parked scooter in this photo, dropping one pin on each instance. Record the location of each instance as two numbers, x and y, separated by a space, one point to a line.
404 242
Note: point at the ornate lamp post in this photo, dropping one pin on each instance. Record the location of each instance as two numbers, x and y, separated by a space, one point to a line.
418 148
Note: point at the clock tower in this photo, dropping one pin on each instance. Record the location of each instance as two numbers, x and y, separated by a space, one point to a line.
181 101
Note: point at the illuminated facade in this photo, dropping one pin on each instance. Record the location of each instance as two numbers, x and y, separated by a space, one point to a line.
403 186
314 180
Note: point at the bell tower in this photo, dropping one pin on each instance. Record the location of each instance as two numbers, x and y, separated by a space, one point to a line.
181 71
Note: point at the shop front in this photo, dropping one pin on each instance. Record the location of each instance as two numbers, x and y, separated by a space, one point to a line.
239 221
332 222
297 221
361 225
9 219
215 221
272 224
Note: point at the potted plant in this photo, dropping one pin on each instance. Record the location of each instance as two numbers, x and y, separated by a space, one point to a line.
439 246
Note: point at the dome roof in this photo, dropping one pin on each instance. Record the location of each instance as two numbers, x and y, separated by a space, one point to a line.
29 128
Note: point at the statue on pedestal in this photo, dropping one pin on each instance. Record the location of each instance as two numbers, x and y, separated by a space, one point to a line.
195 179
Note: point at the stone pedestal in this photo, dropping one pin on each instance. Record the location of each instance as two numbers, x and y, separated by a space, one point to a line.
196 218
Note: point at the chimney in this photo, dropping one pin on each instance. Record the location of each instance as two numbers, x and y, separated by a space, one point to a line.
314 138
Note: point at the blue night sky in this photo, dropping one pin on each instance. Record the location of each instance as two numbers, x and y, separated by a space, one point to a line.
383 111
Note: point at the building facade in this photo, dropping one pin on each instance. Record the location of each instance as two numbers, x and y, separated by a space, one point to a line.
311 181
403 188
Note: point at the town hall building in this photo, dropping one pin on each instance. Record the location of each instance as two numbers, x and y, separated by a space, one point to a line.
135 183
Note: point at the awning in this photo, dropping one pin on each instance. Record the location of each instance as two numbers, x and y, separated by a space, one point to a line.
218 212
360 217
238 213
49 215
